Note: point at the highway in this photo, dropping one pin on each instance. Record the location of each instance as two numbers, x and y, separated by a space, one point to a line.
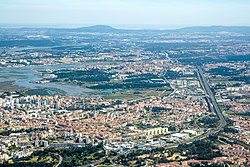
213 106
211 98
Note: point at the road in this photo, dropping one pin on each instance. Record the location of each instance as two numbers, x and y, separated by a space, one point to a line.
60 161
212 101
213 106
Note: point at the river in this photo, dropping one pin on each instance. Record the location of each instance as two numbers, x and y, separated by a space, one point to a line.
27 76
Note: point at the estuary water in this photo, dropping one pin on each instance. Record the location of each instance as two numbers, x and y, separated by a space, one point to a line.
27 76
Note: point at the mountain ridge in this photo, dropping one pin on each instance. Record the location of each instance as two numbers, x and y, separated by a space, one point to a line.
107 28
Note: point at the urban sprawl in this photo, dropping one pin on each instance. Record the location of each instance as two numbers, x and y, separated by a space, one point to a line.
99 96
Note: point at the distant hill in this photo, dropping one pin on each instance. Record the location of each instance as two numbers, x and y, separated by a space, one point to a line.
106 28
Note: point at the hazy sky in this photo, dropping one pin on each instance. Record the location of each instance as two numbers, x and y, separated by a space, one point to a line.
121 12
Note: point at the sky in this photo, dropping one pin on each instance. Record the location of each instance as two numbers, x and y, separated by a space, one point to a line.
167 13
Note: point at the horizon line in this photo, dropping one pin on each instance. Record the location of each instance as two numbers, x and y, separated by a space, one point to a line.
116 26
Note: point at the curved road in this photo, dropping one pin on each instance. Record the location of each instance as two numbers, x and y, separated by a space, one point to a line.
60 161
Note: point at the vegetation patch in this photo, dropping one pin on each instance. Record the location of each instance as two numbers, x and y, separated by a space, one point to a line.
208 122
